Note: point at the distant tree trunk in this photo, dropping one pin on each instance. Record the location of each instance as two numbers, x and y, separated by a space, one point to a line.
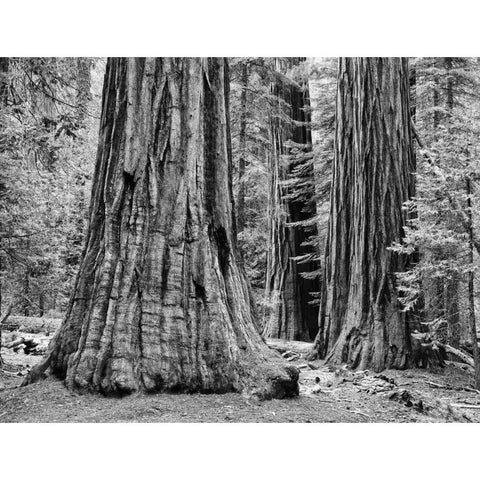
471 288
361 321
291 315
83 89
436 98
4 82
80 214
243 150
413 92
41 304
418 310
448 62
452 285
160 303
437 302
26 292
452 309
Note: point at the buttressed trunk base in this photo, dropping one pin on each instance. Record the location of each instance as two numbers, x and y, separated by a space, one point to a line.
160 302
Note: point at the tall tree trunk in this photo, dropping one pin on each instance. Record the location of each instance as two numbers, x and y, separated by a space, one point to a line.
436 98
291 316
448 62
471 290
436 293
243 149
361 322
419 310
26 292
83 89
452 284
160 303
80 219
4 81
41 304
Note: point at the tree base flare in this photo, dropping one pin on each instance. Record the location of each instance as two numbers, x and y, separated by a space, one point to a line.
266 379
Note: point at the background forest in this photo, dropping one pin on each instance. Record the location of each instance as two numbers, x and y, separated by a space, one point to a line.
282 126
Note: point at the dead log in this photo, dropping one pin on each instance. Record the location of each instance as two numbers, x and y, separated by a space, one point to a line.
464 405
283 346
28 344
458 353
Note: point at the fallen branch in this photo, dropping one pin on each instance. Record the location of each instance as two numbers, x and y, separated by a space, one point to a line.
464 405
451 387
359 413
15 343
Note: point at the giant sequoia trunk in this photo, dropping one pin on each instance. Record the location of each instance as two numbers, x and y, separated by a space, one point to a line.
160 302
291 315
361 322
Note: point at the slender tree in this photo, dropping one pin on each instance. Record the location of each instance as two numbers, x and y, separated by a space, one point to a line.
360 319
289 257
160 302
4 67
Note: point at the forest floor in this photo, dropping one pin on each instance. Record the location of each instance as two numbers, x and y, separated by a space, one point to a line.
326 395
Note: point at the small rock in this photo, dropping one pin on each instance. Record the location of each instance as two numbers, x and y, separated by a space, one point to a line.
317 389
418 405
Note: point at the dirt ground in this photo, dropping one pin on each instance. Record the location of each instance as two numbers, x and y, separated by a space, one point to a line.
326 395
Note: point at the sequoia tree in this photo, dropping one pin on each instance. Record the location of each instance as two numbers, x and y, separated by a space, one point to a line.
292 316
160 302
360 318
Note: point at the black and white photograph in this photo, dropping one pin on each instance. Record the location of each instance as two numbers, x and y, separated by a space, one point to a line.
235 230
210 239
